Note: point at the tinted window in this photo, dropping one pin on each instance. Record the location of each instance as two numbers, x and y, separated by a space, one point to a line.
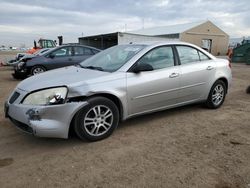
82 51
95 51
187 54
159 58
65 51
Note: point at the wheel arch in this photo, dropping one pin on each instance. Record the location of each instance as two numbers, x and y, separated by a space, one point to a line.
109 96
38 65
113 98
224 79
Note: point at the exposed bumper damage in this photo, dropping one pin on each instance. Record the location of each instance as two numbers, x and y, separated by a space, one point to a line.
44 121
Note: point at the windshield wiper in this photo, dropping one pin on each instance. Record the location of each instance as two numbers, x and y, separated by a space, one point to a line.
93 67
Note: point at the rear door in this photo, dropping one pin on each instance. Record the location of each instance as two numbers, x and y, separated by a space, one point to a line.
197 71
151 90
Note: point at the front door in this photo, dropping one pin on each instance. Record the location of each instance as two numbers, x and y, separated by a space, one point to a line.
156 89
60 58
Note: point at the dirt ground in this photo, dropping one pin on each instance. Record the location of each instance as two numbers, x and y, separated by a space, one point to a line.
185 147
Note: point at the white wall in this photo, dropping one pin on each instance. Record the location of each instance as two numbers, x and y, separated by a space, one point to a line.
126 38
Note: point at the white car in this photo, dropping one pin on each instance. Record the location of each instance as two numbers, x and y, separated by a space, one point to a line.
116 84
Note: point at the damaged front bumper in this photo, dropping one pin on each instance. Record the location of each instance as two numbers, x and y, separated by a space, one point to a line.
43 121
19 73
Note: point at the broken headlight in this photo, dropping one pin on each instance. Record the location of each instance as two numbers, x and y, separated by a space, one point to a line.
21 64
50 96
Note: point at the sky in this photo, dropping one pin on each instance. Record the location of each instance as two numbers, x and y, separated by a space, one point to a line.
23 21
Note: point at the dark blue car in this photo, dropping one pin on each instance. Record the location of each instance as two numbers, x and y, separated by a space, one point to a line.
58 57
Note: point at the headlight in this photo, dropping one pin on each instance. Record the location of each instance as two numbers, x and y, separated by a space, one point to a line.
20 65
47 97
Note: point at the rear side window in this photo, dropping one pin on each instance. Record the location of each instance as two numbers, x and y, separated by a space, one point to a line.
159 58
190 55
82 51
95 51
203 57
187 54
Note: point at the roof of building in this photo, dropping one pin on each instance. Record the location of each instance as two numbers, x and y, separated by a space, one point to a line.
165 30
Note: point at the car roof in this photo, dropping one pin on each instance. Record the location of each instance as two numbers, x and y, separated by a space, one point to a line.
159 43
153 44
68 45
80 45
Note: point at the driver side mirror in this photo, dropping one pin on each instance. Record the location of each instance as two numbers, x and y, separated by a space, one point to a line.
142 67
51 55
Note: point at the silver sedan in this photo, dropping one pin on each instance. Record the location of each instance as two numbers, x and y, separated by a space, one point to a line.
116 84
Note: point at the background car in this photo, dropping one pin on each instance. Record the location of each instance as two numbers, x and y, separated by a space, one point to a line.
26 57
61 56
118 83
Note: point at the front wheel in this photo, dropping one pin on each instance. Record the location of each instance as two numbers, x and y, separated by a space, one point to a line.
37 70
217 95
97 120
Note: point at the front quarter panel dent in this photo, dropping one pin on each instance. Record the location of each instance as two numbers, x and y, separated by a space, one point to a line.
53 121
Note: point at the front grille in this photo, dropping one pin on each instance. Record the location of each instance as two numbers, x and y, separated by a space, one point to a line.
22 126
14 97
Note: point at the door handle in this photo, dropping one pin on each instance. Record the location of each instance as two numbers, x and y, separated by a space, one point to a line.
210 68
70 59
173 75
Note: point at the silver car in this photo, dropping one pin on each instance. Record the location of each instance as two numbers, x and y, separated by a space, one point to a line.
116 84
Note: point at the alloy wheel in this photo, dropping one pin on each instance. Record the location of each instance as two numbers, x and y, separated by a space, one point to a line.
38 70
98 120
218 94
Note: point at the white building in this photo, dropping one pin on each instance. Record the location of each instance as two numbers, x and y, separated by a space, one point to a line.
204 34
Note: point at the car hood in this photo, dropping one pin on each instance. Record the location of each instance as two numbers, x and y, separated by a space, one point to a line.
28 56
67 76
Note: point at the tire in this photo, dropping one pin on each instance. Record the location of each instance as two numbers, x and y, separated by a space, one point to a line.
97 120
37 70
18 77
217 95
248 90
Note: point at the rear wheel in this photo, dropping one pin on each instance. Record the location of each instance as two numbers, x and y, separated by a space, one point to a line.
97 120
217 95
37 70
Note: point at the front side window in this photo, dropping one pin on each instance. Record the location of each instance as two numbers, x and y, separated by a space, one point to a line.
65 51
159 58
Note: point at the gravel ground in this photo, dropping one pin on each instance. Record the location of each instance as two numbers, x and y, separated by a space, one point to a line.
5 56
185 147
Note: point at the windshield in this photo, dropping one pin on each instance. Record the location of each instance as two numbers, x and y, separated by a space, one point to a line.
41 51
48 51
112 58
